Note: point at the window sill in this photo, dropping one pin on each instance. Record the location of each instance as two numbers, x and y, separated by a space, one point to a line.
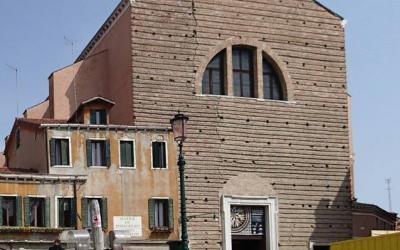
162 230
98 167
4 229
62 166
166 168
246 98
128 168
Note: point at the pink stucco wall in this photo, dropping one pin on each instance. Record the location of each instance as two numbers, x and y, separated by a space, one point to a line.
38 111
106 72
31 153
90 80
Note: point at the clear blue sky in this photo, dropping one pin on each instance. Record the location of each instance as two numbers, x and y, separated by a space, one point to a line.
32 38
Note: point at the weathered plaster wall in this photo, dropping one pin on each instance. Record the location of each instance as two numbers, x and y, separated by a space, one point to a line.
31 153
301 147
127 190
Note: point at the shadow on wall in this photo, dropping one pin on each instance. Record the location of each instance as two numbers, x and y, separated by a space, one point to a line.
333 218
88 78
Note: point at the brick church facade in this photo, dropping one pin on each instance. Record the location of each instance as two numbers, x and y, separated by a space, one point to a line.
269 157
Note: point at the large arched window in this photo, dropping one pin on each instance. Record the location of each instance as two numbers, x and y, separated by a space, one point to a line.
243 72
272 84
214 76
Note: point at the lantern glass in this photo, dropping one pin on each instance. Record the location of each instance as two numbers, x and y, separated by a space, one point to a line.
179 127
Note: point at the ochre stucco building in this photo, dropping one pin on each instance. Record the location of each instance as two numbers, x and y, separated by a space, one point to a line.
269 157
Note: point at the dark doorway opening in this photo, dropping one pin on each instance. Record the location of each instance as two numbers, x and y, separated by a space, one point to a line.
247 244
321 248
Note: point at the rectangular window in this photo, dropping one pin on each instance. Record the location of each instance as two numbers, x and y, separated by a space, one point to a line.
161 214
59 152
243 74
66 212
9 211
37 212
98 152
86 216
98 117
127 153
159 154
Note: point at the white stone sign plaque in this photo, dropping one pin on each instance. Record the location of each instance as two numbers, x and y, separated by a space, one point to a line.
133 224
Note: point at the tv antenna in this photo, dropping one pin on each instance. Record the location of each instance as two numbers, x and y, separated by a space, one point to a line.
71 43
389 190
15 69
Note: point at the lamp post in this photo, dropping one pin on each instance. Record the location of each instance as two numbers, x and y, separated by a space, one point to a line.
179 127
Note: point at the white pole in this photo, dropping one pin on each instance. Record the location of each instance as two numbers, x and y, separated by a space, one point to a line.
97 231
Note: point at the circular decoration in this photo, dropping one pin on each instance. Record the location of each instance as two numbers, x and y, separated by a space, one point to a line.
240 218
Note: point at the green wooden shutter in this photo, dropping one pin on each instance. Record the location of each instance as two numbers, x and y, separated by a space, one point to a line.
156 154
163 163
129 154
73 212
93 117
103 117
84 212
52 152
104 213
170 213
27 211
89 152
122 148
47 219
18 211
60 211
152 213
1 211
108 153
64 152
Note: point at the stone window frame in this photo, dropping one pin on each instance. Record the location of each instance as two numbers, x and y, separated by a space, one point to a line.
47 217
56 137
125 139
15 196
108 162
263 52
56 212
166 155
265 201
169 217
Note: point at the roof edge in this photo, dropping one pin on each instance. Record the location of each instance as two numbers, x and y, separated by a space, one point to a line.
104 28
329 10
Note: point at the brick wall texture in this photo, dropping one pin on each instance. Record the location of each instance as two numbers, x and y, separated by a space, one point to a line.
300 147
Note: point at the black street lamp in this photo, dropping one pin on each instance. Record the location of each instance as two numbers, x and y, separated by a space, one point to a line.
179 127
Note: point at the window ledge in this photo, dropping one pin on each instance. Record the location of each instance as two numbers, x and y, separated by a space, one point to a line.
98 167
30 230
62 166
159 169
127 168
246 98
162 230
